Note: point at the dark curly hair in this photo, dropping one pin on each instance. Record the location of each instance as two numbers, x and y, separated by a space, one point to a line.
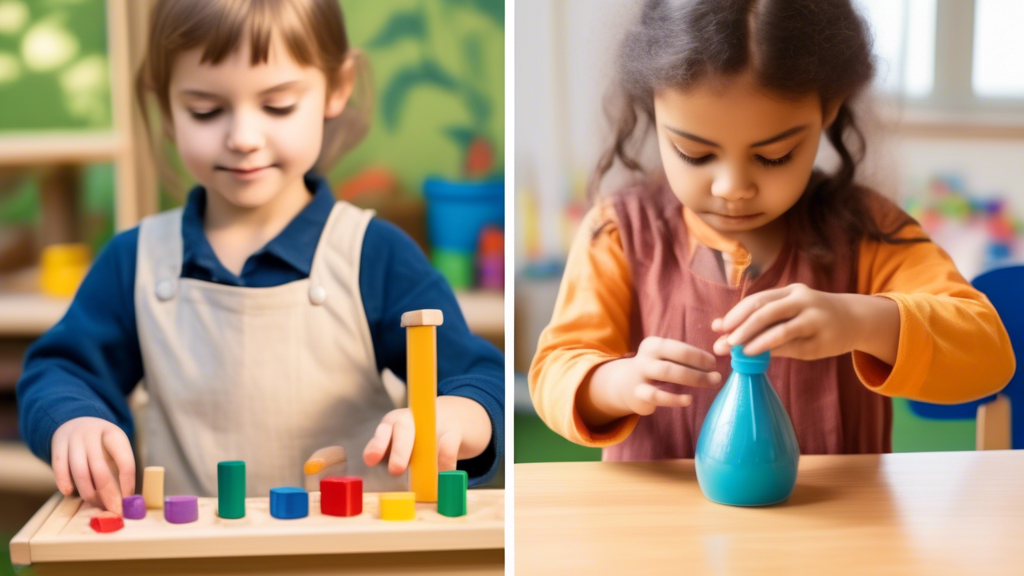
792 47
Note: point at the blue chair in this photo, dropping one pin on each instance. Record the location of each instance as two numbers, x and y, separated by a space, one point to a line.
1003 286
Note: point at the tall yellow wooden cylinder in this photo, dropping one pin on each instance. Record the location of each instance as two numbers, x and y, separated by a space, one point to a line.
421 377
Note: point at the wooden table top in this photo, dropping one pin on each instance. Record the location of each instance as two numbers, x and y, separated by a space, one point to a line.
910 513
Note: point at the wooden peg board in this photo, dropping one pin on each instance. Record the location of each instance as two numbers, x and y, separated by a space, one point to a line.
60 535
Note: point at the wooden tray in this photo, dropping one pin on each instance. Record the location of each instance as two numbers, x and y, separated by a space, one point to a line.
60 532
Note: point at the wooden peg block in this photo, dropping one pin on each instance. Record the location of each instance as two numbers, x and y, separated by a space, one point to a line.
397 506
231 489
341 496
421 377
289 502
153 487
324 458
181 509
451 493
134 507
106 522
422 318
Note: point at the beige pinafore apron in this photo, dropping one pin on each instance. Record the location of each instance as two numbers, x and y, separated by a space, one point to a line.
264 375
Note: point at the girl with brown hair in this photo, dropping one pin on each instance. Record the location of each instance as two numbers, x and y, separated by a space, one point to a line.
261 314
739 240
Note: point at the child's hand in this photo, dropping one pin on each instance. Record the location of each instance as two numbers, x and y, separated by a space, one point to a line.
630 385
671 361
463 431
798 322
87 453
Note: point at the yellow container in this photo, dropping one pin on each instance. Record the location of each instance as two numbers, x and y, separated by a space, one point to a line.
62 268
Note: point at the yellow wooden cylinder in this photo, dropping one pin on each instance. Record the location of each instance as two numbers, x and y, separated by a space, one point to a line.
397 506
422 385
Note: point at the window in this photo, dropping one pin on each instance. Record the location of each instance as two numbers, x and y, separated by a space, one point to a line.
963 55
998 69
904 34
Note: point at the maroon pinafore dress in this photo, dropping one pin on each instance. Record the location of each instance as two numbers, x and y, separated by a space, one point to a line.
679 291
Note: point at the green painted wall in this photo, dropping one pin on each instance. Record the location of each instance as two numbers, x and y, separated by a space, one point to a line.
53 65
438 69
535 442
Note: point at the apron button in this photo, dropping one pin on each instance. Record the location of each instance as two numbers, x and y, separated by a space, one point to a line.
165 290
317 295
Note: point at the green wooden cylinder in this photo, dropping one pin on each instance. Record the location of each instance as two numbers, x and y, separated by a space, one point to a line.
231 489
451 493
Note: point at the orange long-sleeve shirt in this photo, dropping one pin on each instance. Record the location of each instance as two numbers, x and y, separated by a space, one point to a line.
952 346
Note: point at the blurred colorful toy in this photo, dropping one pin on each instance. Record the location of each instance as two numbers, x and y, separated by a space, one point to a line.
370 181
978 233
456 214
491 259
377 188
63 268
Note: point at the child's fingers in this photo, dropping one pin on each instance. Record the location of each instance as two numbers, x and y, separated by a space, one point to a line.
657 397
799 349
678 352
378 445
107 490
665 371
748 306
78 462
762 319
779 336
120 450
721 346
448 445
59 463
401 445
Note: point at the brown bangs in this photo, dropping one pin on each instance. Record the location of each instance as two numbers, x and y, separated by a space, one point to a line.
313 35
312 30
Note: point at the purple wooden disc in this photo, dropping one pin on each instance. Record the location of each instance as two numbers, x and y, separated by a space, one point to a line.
181 509
134 507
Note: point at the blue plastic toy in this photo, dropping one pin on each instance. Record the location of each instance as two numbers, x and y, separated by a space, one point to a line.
747 453
457 211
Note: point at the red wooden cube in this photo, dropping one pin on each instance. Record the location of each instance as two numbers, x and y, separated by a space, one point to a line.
341 496
106 522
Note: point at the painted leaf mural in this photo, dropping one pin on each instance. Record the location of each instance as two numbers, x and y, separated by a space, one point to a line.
54 72
426 73
403 25
438 69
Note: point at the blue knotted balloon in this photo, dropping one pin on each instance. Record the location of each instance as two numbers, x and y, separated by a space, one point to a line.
747 453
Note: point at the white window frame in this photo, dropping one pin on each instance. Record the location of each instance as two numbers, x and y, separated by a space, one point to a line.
952 103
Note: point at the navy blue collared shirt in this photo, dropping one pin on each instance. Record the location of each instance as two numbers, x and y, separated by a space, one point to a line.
91 360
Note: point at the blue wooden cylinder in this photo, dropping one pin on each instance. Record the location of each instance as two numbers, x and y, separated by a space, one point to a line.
288 502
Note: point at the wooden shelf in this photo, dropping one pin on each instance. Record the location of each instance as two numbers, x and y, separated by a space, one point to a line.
28 313
22 471
24 311
30 149
484 311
